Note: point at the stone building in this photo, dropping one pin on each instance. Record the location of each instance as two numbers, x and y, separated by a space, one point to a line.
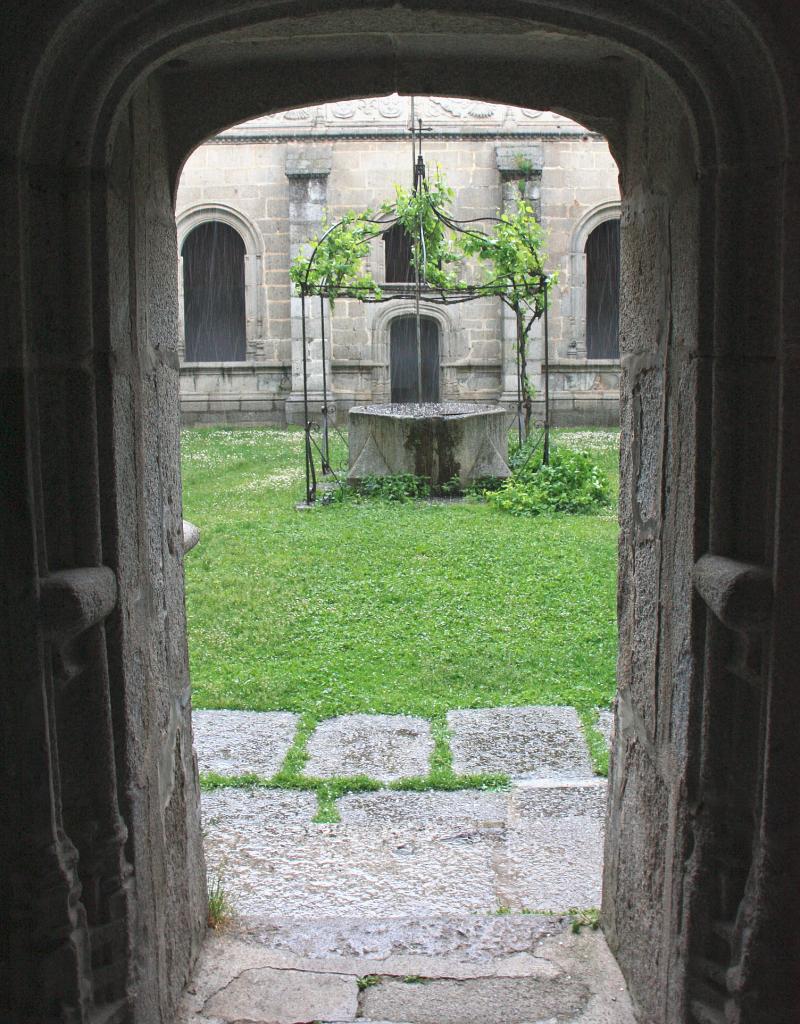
252 196
100 852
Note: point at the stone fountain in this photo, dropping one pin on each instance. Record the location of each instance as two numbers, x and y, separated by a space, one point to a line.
437 440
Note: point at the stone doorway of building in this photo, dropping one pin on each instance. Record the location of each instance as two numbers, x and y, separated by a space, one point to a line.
403 359
708 651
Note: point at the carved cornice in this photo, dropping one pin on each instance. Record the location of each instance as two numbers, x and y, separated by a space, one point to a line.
389 116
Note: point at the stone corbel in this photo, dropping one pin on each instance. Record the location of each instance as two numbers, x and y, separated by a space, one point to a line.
73 600
738 593
191 535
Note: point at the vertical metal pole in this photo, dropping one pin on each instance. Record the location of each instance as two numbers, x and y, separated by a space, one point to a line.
417 281
519 373
306 425
546 451
413 146
326 462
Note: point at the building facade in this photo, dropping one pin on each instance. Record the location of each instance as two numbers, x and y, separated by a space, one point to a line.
252 196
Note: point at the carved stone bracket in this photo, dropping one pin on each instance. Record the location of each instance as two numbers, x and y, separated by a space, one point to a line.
73 600
738 593
191 535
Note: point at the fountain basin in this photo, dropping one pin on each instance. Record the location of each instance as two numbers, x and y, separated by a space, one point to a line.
441 441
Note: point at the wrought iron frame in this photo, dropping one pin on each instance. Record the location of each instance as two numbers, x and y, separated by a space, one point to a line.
418 290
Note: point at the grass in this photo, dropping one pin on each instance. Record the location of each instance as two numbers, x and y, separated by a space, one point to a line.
220 910
380 607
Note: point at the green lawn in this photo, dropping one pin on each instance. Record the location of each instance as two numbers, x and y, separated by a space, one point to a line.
381 607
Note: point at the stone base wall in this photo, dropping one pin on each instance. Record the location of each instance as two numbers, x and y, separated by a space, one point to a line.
567 409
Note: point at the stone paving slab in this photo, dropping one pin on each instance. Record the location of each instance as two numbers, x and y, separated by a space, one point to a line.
243 742
605 723
285 997
553 864
236 810
473 942
542 800
383 747
464 807
525 743
330 869
484 1000
250 979
547 854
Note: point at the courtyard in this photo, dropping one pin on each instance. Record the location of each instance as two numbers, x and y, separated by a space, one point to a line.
401 717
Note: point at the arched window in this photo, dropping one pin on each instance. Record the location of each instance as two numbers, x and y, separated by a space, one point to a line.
403 359
213 294
602 291
398 252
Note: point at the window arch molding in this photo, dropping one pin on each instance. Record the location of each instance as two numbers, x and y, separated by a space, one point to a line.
447 320
205 213
598 215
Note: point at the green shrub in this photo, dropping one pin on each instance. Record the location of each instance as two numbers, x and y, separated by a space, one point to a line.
570 483
395 487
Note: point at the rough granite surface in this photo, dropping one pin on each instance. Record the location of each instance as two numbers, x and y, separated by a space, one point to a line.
235 810
605 723
384 747
525 743
463 807
242 742
469 969
531 847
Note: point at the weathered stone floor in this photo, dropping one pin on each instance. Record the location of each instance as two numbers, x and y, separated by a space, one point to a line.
417 907
443 969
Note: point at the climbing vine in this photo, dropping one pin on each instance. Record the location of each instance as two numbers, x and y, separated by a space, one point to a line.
510 258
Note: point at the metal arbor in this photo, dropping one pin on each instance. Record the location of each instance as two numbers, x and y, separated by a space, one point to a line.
526 295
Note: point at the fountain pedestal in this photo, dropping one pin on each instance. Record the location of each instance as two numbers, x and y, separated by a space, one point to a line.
440 441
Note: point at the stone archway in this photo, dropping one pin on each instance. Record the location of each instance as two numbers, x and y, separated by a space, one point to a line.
207 213
578 273
703 770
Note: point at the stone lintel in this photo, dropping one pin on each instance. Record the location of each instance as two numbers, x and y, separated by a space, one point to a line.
73 600
738 593
309 161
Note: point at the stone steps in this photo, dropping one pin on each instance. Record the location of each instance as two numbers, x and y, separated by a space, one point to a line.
442 969
416 907
537 846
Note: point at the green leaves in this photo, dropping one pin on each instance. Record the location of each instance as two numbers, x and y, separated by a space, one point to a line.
335 264
570 483
511 255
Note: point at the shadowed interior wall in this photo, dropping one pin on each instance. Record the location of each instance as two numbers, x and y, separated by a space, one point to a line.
703 826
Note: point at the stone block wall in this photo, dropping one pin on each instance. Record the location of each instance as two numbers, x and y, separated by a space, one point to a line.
264 173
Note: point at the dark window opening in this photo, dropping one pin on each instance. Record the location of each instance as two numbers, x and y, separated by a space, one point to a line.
404 376
213 294
602 291
398 251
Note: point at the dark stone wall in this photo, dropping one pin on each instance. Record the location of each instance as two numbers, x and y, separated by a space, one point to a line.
700 105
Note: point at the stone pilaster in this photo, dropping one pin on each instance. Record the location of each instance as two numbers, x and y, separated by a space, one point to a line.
307 168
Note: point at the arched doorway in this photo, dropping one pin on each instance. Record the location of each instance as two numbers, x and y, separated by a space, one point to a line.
403 356
602 291
96 483
213 294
